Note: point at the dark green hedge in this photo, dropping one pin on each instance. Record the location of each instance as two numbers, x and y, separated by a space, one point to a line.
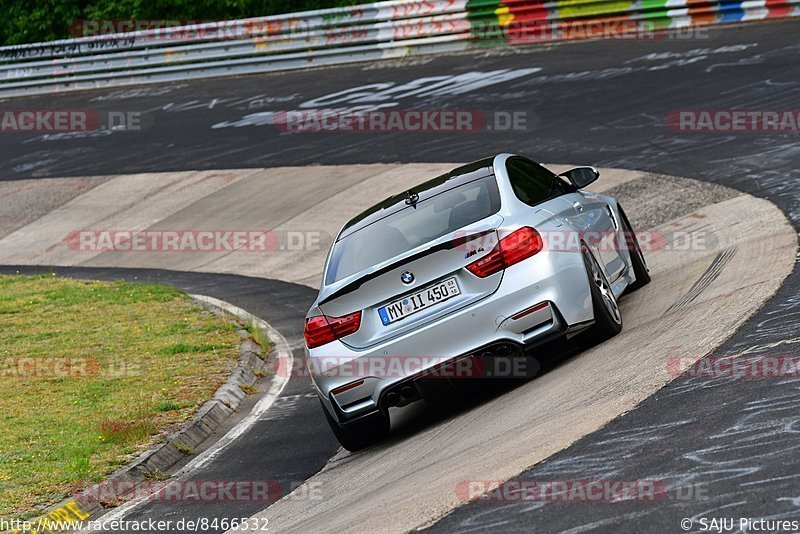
28 21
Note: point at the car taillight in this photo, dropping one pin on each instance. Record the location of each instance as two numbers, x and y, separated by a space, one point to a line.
318 332
512 249
521 245
344 326
322 329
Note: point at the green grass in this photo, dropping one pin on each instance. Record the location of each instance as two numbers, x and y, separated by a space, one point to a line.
259 336
143 359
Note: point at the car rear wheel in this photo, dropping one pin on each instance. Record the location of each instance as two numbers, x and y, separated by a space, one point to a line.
362 433
607 317
638 264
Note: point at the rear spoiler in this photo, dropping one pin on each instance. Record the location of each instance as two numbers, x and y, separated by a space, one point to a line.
446 245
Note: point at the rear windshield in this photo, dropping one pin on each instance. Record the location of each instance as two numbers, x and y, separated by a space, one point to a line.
411 227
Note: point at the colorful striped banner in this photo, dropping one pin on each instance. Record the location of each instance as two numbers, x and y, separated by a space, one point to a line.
523 21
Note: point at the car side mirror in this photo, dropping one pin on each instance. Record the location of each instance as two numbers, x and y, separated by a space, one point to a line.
580 177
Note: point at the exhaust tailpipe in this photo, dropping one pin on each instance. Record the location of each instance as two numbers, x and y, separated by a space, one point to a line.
503 351
392 398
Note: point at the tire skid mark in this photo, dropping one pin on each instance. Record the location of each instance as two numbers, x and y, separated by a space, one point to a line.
711 274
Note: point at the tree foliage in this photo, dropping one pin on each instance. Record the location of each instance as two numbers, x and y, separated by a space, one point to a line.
26 21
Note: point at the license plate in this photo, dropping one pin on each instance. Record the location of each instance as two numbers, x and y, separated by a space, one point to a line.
416 302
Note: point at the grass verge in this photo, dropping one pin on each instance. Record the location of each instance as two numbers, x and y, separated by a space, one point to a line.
91 373
259 336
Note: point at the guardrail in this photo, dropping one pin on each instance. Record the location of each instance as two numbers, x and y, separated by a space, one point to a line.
365 32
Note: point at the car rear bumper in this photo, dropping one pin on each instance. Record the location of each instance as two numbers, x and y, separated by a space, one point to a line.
537 300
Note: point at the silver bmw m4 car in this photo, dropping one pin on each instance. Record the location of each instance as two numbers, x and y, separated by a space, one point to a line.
483 264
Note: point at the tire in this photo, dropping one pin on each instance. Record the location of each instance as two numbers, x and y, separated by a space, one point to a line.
361 434
638 263
607 317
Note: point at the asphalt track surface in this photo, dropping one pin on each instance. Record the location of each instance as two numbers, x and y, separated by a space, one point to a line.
602 103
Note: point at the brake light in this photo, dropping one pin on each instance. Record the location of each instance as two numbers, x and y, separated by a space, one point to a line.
512 249
321 330
521 245
318 332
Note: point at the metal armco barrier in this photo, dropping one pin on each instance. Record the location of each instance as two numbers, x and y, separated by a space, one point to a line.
365 32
